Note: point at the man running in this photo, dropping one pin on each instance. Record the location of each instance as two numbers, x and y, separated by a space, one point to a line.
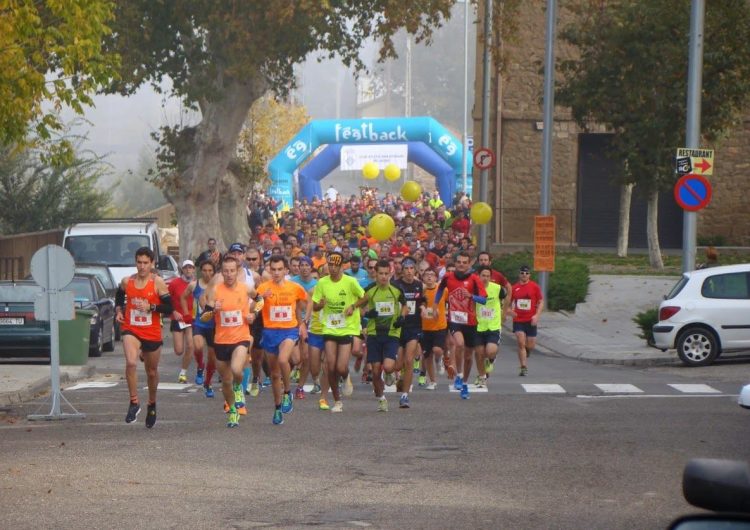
306 280
434 330
229 304
489 322
147 298
411 332
526 304
203 332
284 325
181 324
338 297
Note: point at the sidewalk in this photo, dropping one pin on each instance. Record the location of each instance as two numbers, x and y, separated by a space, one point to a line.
23 382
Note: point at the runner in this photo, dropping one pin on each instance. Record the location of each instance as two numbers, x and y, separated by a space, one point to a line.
181 324
464 288
434 330
411 333
203 332
228 302
526 304
147 298
283 306
338 296
489 322
307 282
387 309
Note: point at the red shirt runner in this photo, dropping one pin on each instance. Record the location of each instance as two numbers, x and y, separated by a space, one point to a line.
461 305
524 300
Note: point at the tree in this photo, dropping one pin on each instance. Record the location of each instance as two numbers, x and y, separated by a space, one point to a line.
35 195
220 58
50 55
632 77
133 193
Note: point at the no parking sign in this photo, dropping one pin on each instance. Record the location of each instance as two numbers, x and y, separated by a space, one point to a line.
692 192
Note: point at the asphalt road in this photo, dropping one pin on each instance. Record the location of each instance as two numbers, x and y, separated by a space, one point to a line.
509 458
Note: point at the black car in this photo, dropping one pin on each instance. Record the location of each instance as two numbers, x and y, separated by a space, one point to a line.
103 272
90 294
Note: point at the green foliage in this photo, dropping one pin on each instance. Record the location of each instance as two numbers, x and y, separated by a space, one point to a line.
134 193
646 320
632 77
37 196
568 285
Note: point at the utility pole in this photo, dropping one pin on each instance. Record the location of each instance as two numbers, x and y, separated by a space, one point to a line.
486 88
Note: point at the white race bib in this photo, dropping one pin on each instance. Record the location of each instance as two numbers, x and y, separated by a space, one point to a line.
459 317
140 318
385 309
524 304
336 320
487 313
182 325
412 305
429 312
281 313
231 319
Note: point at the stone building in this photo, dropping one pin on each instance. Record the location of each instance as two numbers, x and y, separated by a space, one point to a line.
584 198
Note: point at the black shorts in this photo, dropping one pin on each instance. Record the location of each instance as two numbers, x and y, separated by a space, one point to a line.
174 326
206 333
409 334
380 348
433 339
256 330
147 346
525 327
224 351
339 339
469 333
488 337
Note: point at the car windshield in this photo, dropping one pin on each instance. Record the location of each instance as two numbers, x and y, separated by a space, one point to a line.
113 250
677 288
81 288
100 273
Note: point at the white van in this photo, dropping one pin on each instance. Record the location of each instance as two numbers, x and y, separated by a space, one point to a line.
114 242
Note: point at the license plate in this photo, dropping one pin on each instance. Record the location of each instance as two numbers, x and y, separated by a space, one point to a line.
11 321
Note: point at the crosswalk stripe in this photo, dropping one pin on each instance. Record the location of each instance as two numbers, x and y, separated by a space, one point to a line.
543 389
608 388
472 389
695 389
92 384
172 386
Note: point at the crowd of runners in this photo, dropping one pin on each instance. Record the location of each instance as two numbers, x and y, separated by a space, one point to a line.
313 289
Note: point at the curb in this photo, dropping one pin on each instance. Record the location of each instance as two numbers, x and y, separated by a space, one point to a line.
42 386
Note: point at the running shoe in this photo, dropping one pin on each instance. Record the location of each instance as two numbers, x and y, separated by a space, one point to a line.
199 377
254 390
278 417
357 365
241 409
481 382
348 386
233 420
432 385
182 378
338 406
299 393
383 405
150 415
389 379
286 403
458 382
315 388
422 380
208 391
323 405
133 410
403 403
441 367
294 376
489 365
464 391
416 365
477 380
523 372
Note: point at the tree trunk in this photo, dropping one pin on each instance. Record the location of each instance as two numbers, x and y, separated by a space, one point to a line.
197 199
623 234
232 210
652 231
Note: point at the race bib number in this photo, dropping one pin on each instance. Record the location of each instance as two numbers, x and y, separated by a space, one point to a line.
140 318
182 325
412 305
429 312
231 319
282 313
459 317
336 320
385 309
487 313
524 304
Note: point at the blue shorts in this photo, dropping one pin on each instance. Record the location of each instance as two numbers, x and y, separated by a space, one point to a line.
206 333
272 338
315 341
524 327
381 348
410 334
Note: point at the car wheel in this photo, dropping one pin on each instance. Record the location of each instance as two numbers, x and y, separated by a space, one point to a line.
96 349
118 334
697 347
110 345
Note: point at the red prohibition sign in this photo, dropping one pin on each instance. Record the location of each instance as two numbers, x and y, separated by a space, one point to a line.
692 192
484 158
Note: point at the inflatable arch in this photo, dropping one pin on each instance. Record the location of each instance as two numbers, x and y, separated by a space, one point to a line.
431 146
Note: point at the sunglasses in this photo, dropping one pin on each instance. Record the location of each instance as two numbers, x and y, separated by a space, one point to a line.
251 259
525 272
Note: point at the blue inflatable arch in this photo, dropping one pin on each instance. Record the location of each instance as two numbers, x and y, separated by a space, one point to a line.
431 146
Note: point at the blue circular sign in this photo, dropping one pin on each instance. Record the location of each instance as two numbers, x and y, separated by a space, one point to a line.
692 192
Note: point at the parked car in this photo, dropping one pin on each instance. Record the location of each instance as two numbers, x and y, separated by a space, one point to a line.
706 313
169 269
21 335
103 272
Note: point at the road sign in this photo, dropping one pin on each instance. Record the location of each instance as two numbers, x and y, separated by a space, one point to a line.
695 161
544 243
484 158
692 192
52 267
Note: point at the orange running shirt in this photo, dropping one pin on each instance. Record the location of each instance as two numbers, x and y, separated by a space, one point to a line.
231 327
431 324
146 325
280 306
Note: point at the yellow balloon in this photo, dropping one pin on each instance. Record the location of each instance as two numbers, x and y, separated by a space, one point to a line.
481 213
392 172
370 170
411 191
381 226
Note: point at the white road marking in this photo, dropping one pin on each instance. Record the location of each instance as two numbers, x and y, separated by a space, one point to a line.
93 384
624 396
619 388
172 386
543 389
472 389
695 389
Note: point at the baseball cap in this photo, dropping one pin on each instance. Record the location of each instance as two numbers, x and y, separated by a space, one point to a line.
524 268
188 263
236 247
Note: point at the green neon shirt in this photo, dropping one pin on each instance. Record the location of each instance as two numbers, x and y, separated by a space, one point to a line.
339 295
489 315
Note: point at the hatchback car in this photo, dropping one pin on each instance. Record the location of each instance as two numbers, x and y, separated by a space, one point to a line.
706 313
